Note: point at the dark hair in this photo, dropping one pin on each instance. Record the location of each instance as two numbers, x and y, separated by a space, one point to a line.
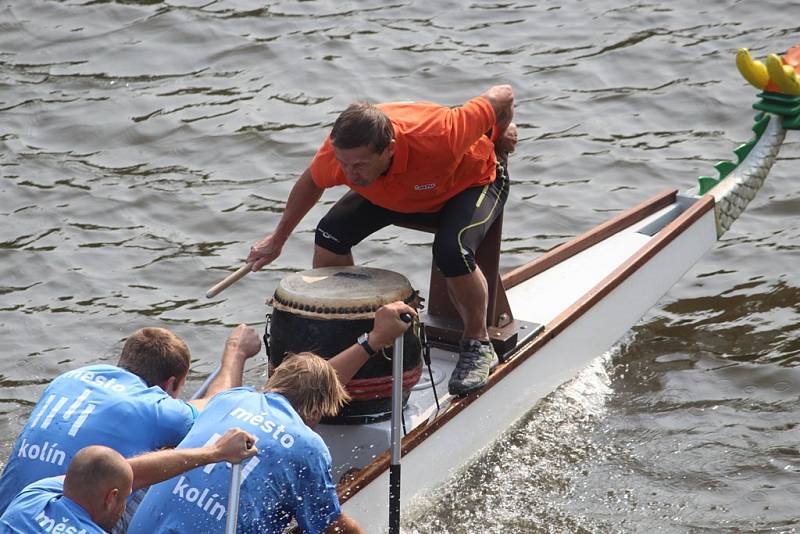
362 124
155 354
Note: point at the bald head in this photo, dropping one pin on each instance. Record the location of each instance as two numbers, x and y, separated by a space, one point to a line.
99 479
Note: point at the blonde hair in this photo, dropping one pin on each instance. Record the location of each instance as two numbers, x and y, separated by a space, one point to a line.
310 384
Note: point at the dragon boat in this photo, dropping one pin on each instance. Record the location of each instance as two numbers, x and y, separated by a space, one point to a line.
554 315
549 318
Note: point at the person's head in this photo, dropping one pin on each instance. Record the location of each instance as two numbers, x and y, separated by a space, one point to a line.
310 384
99 480
363 141
158 357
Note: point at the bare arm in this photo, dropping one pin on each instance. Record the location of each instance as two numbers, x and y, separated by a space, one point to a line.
387 327
242 343
234 446
344 525
501 97
302 198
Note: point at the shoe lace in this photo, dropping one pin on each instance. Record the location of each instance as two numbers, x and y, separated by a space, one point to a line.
470 354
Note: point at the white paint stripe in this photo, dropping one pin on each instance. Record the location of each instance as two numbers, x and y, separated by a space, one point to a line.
42 410
248 468
78 401
54 411
213 439
84 414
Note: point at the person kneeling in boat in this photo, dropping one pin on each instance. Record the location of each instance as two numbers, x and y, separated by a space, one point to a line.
131 407
91 497
414 163
291 476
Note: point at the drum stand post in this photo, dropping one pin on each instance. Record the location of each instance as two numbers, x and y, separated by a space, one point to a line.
443 323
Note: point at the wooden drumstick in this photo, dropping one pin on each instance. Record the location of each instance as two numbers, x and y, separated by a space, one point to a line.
229 280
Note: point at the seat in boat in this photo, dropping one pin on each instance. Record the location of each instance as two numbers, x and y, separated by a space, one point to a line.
443 324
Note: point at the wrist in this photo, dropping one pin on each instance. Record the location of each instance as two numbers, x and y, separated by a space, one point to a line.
375 340
367 343
280 235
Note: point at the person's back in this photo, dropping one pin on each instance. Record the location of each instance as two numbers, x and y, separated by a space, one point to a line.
94 405
42 507
289 478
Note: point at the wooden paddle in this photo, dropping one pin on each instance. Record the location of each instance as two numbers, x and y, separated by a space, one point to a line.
229 280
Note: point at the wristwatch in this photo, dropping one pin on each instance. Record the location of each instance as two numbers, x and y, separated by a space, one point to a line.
363 340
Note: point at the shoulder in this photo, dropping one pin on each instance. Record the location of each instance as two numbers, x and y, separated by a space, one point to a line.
409 116
241 402
324 168
49 486
236 393
233 395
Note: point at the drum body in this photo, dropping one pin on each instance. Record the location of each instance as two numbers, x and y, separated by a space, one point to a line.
324 311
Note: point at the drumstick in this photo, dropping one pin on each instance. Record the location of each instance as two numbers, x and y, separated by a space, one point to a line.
230 280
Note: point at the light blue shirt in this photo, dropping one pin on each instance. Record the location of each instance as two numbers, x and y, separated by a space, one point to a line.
290 476
42 507
94 405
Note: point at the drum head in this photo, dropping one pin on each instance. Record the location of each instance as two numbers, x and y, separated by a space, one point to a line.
346 292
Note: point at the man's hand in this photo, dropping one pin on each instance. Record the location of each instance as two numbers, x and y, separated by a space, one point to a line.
507 142
243 341
234 446
265 251
150 468
388 324
502 99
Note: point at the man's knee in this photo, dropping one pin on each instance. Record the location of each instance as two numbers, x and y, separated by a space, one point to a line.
326 237
451 258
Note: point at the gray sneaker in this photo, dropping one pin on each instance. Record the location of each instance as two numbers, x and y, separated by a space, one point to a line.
475 363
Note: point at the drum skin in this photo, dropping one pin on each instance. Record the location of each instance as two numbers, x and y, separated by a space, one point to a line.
312 322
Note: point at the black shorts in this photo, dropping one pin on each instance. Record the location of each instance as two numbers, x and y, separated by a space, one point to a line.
461 224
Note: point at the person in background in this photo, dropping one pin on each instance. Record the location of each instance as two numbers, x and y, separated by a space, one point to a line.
91 497
414 163
131 407
291 476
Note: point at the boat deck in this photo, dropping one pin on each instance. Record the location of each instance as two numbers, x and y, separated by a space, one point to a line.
539 299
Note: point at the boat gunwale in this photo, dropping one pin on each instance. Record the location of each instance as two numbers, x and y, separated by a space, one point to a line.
553 257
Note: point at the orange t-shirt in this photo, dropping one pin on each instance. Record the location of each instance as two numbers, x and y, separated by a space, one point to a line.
439 152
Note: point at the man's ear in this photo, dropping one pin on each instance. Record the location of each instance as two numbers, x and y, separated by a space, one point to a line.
110 502
390 147
171 386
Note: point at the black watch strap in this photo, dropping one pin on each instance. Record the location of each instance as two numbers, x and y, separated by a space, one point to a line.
363 340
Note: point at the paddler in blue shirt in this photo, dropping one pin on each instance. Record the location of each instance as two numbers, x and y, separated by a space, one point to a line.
290 478
131 408
91 498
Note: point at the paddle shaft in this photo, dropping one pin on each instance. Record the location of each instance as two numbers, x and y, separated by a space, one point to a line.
397 417
233 499
229 280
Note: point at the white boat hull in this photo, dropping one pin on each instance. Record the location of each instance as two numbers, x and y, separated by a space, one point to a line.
612 284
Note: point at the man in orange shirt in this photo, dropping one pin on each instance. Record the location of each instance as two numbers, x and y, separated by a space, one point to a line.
414 163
